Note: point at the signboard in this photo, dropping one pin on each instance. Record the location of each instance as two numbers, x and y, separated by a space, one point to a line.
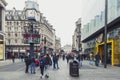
31 38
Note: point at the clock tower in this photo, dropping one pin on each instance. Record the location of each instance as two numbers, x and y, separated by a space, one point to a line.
32 35
32 10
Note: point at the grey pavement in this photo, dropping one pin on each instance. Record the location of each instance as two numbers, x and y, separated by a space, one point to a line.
8 61
87 72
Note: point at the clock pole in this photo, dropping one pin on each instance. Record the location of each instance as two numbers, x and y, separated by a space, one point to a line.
32 43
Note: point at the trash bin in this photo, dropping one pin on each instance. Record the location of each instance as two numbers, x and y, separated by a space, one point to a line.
74 69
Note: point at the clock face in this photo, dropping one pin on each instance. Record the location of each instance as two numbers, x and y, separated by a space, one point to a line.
31 13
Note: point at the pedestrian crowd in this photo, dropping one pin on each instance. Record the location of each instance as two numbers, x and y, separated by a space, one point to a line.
44 62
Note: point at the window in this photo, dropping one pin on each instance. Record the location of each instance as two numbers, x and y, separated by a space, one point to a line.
14 23
118 4
15 40
17 23
10 28
8 34
21 23
7 23
9 41
16 34
10 23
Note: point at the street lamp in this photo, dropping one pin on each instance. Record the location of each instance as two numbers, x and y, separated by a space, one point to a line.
79 37
44 42
78 41
105 32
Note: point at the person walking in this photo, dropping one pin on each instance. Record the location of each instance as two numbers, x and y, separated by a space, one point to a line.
27 63
42 65
97 59
32 65
63 56
80 59
48 62
55 61
91 58
13 57
67 57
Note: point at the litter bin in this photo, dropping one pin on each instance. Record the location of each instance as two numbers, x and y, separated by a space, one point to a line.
74 69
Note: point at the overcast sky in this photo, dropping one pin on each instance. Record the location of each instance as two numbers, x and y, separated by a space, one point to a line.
63 14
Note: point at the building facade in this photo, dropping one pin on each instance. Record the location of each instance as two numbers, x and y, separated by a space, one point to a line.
77 44
2 30
67 48
57 44
93 34
15 23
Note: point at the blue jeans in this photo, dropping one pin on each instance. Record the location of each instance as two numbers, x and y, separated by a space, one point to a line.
80 63
47 69
56 63
32 68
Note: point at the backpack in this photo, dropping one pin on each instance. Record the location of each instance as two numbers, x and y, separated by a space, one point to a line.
41 62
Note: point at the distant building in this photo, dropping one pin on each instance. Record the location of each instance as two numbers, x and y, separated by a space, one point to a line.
76 38
57 44
67 48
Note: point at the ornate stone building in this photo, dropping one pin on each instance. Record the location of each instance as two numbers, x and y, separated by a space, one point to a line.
77 44
57 44
16 20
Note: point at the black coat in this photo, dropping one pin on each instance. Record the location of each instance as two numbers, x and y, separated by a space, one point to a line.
27 61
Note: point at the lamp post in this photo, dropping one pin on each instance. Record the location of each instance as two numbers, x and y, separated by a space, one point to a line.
44 43
78 41
105 32
79 36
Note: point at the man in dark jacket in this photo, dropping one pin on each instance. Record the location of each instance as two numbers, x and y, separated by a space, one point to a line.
27 63
48 62
97 59
55 61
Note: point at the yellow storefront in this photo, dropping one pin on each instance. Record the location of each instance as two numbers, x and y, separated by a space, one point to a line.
114 46
1 50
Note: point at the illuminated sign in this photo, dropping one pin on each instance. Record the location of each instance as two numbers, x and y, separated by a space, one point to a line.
31 38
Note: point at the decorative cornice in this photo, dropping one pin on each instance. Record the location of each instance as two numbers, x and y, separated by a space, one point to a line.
3 3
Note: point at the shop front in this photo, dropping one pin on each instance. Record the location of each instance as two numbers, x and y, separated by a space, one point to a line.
1 47
113 51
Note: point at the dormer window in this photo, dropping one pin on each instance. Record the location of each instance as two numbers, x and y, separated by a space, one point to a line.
16 17
8 17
